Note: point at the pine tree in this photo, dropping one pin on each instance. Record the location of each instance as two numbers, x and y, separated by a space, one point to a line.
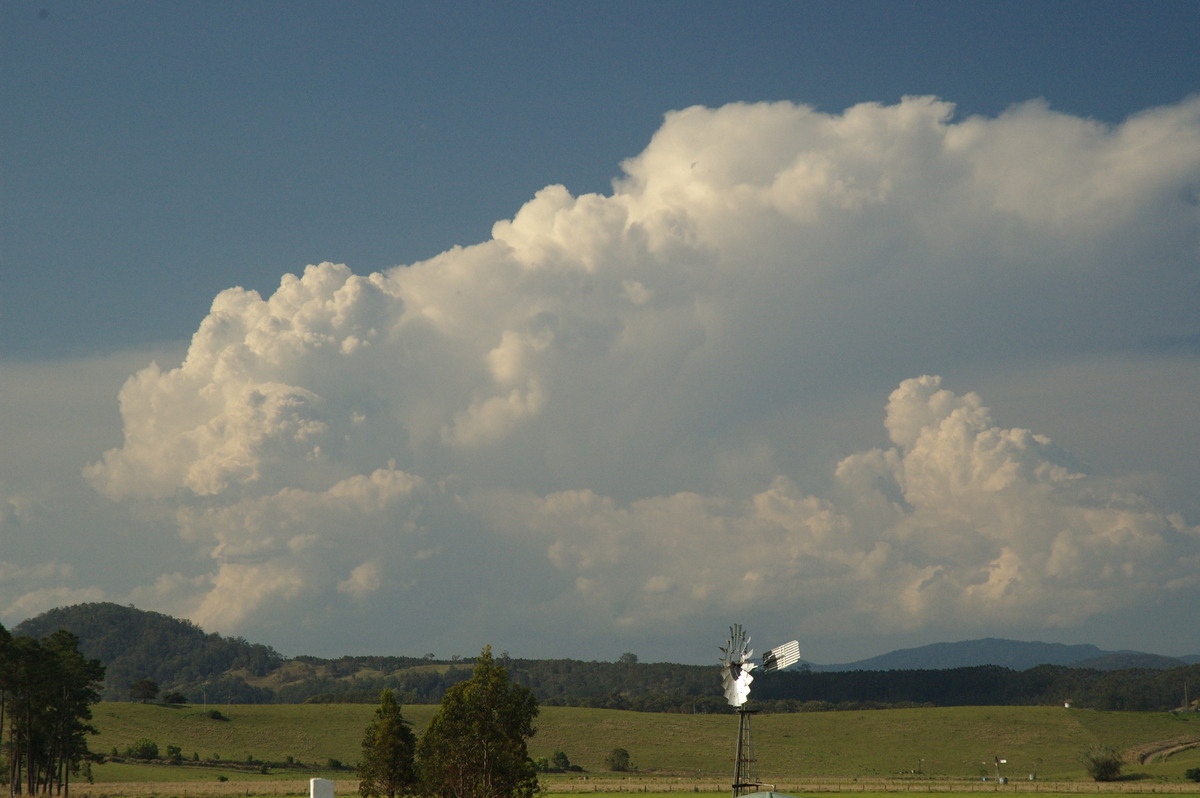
387 766
46 691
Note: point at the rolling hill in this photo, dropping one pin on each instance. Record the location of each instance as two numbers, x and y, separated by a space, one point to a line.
935 743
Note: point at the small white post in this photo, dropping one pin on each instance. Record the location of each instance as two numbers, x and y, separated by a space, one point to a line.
320 788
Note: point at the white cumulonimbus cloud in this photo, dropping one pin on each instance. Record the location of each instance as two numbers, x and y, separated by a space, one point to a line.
602 413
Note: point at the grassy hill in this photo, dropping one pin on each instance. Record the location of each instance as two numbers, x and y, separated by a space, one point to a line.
954 742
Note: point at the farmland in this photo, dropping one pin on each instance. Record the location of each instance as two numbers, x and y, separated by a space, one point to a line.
274 749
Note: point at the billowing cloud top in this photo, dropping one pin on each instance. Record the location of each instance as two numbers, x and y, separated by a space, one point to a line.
602 415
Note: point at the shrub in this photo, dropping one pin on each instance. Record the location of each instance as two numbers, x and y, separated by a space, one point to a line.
617 760
1192 774
1102 762
143 749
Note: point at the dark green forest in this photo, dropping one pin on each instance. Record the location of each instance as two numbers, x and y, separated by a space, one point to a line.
137 644
180 657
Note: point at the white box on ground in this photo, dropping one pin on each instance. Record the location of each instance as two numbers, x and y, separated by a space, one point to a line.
320 788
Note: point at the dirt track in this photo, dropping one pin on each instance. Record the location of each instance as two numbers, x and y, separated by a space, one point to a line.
1144 754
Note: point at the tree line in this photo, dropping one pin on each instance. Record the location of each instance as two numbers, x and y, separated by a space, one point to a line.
46 690
665 687
1142 690
180 657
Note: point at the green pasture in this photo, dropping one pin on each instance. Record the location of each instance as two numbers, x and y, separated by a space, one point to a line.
927 744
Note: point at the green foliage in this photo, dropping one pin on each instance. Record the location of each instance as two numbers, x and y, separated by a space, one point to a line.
143 690
617 760
1102 762
387 766
1192 774
559 761
47 688
135 644
175 697
145 748
475 746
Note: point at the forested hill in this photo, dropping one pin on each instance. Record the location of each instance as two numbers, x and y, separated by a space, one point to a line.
180 657
136 644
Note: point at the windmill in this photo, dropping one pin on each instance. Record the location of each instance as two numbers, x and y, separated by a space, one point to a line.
737 669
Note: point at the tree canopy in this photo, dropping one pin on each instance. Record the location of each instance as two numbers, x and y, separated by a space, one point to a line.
46 691
387 766
475 746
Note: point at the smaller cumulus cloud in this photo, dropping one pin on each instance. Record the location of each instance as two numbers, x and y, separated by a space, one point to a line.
292 547
29 590
959 521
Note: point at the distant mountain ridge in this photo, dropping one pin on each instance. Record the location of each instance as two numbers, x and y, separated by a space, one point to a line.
1015 654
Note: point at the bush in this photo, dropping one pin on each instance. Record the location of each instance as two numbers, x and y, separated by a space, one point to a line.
1192 774
1102 762
143 749
617 760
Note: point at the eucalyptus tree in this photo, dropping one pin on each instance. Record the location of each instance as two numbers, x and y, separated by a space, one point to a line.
475 745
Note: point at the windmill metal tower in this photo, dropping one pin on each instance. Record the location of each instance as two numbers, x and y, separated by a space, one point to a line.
736 676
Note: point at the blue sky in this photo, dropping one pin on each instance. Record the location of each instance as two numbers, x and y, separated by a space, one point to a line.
155 155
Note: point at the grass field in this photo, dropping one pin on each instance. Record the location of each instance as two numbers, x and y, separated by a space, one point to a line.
926 750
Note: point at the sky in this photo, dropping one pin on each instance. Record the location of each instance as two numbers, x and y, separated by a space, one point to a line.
578 329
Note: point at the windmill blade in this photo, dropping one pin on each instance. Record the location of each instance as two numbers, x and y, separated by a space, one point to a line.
737 649
781 657
736 666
